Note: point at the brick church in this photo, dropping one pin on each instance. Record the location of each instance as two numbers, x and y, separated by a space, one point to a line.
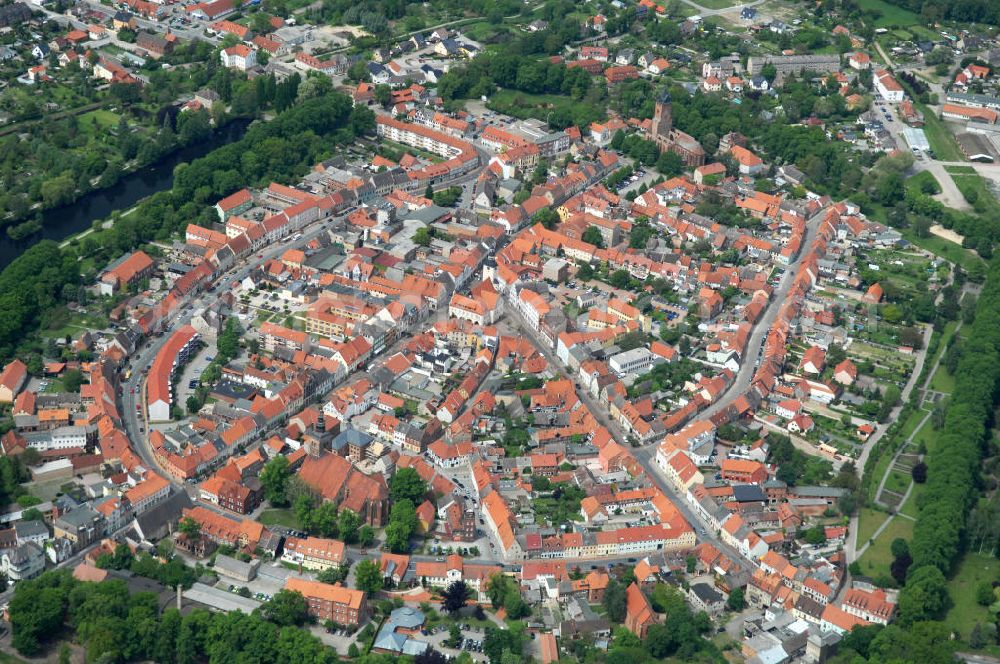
667 137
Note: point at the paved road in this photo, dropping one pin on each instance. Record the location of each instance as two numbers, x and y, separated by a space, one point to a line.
705 11
976 659
903 398
988 171
645 456
885 56
950 194
133 389
851 545
760 331
892 464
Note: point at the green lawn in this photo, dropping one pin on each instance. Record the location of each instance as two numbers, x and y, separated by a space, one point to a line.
921 179
942 381
975 191
897 482
279 517
946 249
873 479
482 31
869 521
909 508
97 121
926 435
949 332
960 170
940 137
715 4
965 612
55 385
921 32
911 424
891 14
878 557
525 105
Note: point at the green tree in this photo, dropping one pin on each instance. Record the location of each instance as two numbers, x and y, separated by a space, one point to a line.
323 520
614 601
406 484
335 574
736 600
454 636
447 197
368 576
498 587
274 477
72 380
499 640
347 525
287 607
619 279
593 236
815 535
190 528
985 594
402 525
454 596
423 236
547 217
925 595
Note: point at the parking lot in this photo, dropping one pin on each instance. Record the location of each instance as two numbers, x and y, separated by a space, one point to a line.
188 380
472 641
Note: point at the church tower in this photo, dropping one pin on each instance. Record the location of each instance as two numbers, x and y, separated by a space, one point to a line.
663 120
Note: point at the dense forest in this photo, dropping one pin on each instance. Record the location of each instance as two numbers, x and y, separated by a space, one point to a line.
281 150
115 626
953 464
53 159
965 11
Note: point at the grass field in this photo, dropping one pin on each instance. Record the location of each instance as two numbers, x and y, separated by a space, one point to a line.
868 522
965 612
911 424
715 4
279 517
940 136
96 122
878 557
942 381
55 385
949 332
921 180
524 105
926 435
483 31
891 14
975 191
946 249
897 481
960 170
909 508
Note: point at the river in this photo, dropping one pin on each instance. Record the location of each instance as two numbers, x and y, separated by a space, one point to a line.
62 222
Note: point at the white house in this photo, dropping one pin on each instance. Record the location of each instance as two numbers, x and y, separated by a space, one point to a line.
888 87
240 57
